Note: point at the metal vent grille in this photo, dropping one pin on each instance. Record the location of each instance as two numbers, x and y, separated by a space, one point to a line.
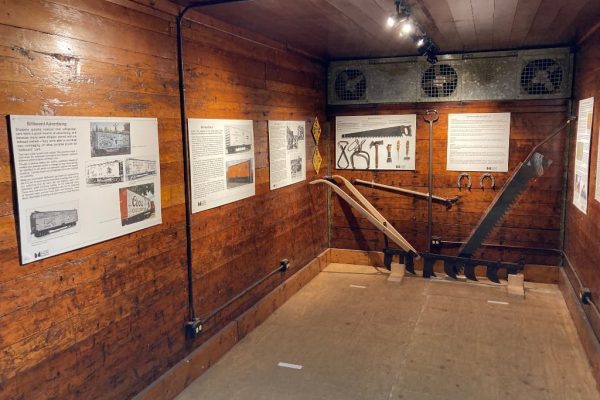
439 80
350 84
542 76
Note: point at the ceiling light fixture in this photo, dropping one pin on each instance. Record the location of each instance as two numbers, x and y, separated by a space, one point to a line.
408 27
400 16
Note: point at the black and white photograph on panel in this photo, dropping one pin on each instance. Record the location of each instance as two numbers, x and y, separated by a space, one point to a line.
110 138
104 172
137 168
238 138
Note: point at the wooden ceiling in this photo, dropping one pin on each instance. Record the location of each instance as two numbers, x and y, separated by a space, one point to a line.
347 29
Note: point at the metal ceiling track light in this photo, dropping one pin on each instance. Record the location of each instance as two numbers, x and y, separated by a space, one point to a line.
409 28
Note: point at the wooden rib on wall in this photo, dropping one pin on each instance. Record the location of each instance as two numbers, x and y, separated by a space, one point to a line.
104 321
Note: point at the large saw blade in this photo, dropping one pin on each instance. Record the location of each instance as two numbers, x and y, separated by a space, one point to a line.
531 168
525 172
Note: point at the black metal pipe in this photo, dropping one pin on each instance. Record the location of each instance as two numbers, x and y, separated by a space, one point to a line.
580 283
186 152
496 245
565 182
283 266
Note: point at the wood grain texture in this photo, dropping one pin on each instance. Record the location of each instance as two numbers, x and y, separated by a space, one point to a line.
352 29
582 230
534 221
105 321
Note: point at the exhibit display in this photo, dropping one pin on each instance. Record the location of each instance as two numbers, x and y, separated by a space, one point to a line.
582 154
287 153
478 142
83 180
221 161
376 142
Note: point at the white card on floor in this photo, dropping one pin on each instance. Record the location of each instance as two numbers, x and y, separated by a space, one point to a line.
497 302
358 286
288 365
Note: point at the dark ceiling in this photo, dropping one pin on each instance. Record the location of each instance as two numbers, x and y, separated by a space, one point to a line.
345 29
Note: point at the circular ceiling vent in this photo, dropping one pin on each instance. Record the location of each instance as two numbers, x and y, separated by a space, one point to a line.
541 76
439 80
350 84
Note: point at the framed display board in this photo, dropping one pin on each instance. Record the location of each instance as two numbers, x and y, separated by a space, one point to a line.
287 153
478 142
83 180
376 142
221 161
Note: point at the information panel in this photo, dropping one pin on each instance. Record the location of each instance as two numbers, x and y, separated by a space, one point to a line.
582 153
287 153
478 142
222 161
83 180
376 142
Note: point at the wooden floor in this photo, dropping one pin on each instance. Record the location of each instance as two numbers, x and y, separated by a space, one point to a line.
358 337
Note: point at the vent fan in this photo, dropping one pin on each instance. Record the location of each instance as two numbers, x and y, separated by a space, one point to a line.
542 76
439 80
351 84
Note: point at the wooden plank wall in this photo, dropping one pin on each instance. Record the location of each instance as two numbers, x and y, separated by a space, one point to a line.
103 322
533 222
581 230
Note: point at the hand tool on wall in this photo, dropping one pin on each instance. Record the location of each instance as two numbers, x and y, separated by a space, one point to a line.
376 144
343 156
447 202
398 149
460 178
491 178
357 151
430 117
407 148
389 153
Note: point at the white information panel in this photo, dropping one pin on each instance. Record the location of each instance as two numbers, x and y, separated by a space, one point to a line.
83 180
478 142
221 161
582 153
287 153
376 142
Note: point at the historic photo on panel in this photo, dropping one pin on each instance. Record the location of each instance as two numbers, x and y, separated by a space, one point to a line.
136 203
102 173
239 173
110 138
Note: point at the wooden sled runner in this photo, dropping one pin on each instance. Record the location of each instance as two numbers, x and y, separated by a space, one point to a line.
368 211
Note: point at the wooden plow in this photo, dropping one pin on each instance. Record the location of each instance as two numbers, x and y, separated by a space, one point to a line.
367 210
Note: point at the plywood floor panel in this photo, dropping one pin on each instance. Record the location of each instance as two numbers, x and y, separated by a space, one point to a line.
358 337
